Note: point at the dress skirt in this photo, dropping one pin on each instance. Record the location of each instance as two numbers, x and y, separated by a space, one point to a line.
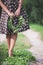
12 6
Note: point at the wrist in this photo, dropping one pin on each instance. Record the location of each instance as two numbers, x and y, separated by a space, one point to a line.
20 4
8 13
19 7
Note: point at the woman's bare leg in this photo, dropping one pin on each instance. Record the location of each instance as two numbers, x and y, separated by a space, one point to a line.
8 41
12 43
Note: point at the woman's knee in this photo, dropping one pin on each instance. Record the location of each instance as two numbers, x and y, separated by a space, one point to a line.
14 35
8 36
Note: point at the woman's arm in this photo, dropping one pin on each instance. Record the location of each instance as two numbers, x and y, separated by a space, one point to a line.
11 14
20 4
4 7
19 8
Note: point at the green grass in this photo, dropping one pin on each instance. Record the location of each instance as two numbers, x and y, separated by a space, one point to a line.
22 42
20 55
38 28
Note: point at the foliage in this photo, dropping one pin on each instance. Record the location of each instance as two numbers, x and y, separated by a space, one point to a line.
34 10
21 22
20 57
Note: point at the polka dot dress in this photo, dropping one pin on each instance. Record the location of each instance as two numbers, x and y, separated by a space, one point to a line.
12 5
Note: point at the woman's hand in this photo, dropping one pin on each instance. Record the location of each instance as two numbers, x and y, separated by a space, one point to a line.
11 14
17 13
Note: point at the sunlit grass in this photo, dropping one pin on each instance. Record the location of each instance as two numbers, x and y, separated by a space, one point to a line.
38 28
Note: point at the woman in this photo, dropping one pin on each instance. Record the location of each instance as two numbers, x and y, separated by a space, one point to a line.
12 8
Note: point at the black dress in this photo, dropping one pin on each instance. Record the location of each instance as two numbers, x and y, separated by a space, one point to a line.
12 6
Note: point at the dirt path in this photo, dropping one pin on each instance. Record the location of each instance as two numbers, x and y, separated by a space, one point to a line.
37 46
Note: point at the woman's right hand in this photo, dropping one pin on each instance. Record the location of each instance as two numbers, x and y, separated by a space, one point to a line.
11 14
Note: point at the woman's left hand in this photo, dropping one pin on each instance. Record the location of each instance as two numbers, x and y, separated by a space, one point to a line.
17 13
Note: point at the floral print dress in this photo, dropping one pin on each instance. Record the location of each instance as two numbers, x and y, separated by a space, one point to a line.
12 6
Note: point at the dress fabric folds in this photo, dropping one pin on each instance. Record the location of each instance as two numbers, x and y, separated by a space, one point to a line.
12 6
